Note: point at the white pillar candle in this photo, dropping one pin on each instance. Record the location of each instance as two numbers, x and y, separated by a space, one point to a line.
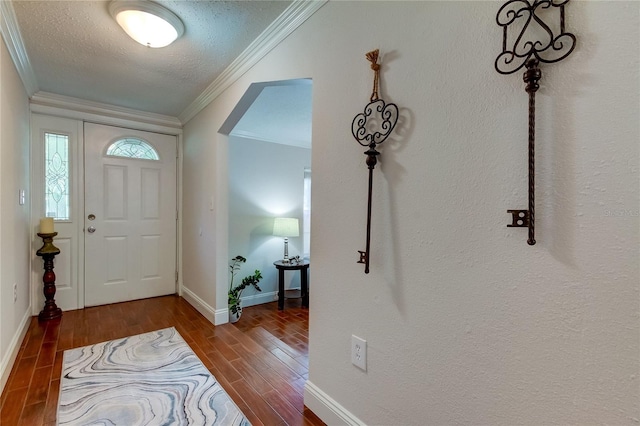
46 225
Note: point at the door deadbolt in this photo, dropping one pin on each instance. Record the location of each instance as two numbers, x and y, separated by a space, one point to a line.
91 217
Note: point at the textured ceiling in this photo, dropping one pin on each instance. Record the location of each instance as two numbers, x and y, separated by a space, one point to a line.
280 114
76 49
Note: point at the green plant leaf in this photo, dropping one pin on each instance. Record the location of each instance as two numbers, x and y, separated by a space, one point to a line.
235 293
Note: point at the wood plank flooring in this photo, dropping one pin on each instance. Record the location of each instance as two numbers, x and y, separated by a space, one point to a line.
261 361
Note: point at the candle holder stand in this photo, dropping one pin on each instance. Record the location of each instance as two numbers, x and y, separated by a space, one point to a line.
48 252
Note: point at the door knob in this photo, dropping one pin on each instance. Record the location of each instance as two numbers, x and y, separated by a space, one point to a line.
91 229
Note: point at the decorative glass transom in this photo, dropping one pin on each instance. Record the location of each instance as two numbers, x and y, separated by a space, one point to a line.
133 148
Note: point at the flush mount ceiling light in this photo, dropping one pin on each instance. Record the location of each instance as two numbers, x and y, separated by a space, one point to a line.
146 22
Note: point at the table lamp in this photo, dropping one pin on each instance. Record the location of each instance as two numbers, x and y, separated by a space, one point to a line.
286 227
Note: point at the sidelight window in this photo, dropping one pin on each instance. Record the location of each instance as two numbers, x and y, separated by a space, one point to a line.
57 176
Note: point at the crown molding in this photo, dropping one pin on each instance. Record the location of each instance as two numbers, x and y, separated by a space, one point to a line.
13 40
45 102
298 12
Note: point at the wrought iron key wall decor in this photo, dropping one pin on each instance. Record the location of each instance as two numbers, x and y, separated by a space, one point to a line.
530 42
371 128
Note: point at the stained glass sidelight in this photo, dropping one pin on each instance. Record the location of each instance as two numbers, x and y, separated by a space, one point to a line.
132 148
57 176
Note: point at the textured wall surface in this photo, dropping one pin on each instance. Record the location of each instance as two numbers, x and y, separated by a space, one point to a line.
466 323
14 218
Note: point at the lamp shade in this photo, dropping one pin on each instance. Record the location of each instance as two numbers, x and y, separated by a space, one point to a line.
286 227
147 22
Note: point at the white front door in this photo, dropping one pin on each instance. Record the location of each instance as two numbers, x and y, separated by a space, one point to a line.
130 214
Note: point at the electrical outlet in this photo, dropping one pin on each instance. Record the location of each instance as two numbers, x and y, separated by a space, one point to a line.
359 352
15 292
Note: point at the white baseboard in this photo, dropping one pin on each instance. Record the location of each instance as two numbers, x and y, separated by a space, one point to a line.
221 316
14 347
327 408
258 299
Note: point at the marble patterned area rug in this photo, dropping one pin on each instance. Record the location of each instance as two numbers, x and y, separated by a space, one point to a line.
149 379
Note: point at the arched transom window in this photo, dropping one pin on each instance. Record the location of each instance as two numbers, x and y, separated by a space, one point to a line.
132 148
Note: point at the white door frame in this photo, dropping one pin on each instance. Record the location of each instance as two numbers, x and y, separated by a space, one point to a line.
82 111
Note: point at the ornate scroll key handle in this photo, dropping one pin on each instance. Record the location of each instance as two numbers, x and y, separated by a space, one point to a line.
534 43
371 128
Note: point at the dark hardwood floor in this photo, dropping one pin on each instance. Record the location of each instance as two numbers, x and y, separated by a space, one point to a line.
261 361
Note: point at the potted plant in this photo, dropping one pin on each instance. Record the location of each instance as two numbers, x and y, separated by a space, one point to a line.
235 293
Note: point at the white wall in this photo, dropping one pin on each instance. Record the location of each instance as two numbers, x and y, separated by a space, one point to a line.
265 181
204 176
14 218
465 323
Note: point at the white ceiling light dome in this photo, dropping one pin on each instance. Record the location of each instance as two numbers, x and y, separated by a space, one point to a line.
148 23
